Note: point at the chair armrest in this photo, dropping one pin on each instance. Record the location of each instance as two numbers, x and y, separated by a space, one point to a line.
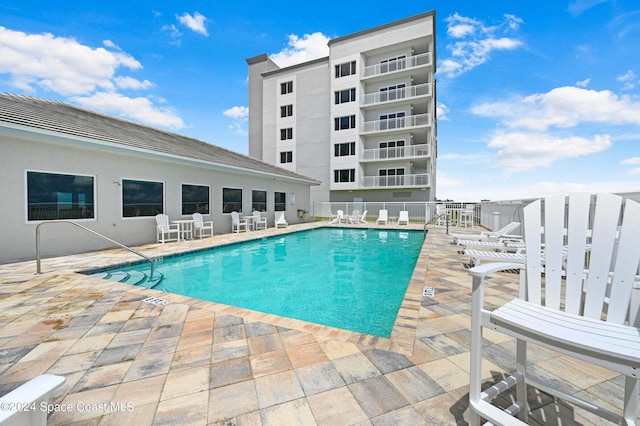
485 269
34 391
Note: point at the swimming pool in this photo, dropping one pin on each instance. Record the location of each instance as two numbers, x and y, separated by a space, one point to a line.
353 279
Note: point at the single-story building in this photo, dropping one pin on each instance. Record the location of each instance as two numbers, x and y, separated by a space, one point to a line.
62 162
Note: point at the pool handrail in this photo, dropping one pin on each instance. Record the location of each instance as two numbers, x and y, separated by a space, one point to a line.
38 270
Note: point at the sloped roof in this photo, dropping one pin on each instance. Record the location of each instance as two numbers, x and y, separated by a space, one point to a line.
58 117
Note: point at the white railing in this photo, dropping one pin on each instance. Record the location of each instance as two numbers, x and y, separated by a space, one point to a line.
397 123
397 94
408 151
415 180
398 65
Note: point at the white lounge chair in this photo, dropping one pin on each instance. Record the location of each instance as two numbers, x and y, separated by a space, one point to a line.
165 230
259 222
505 232
586 313
31 395
383 217
200 227
500 245
280 220
339 217
477 256
403 217
238 224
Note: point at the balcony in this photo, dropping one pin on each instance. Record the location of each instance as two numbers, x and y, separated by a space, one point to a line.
409 151
419 120
399 181
411 62
397 95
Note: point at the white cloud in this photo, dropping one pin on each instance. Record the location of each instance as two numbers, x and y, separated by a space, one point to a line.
194 23
298 50
633 161
578 6
239 116
583 83
519 152
140 108
628 79
475 41
563 107
58 64
441 112
132 83
174 32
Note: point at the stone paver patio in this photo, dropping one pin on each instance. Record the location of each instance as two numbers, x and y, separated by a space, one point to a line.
127 361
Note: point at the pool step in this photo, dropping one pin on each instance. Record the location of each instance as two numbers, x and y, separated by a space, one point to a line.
138 278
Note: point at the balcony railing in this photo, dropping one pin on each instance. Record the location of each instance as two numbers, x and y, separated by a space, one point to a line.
397 123
407 151
398 94
406 181
398 65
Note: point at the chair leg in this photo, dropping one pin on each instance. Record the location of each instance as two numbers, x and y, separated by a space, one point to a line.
475 374
631 387
521 385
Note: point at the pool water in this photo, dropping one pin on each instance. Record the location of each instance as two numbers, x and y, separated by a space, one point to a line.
353 279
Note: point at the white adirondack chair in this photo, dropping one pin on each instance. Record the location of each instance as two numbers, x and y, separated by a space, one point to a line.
165 230
31 396
584 306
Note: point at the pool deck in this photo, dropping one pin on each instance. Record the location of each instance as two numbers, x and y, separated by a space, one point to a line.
203 363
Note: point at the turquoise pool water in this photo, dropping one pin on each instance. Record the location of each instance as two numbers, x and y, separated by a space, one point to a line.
347 278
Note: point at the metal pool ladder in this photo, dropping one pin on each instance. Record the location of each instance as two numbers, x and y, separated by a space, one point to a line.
38 271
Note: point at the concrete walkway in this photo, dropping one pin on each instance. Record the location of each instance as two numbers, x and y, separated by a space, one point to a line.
127 361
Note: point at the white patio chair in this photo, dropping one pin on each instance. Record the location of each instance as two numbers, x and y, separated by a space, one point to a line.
259 222
466 215
32 395
499 245
584 309
403 217
280 220
442 215
164 229
502 233
363 218
353 217
238 224
383 217
339 217
200 227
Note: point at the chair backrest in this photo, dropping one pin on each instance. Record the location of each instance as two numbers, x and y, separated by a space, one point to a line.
162 220
280 217
364 215
340 214
257 215
597 255
508 229
197 220
469 208
404 215
383 214
235 217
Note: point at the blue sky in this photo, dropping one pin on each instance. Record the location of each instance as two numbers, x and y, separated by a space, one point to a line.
532 100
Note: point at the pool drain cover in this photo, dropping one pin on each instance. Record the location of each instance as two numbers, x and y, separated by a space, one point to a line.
429 291
156 301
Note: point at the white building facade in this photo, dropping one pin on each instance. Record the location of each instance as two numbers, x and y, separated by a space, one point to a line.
361 121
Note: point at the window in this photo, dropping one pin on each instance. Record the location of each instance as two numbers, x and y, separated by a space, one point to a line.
344 96
195 199
280 201
348 68
142 198
258 201
286 134
392 92
231 200
391 149
391 177
346 122
393 64
286 111
53 196
286 87
286 157
392 121
344 149
344 175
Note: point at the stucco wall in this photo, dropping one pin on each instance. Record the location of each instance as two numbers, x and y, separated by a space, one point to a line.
20 154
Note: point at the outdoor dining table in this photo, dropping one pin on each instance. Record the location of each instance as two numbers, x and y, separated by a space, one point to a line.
249 220
185 227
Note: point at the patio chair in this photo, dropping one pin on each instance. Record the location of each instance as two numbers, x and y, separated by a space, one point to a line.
465 218
280 220
584 309
32 395
259 222
200 227
353 217
383 217
237 223
477 256
498 245
504 232
339 217
403 217
164 229
363 218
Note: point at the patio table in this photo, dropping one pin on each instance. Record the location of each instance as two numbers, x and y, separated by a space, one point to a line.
185 227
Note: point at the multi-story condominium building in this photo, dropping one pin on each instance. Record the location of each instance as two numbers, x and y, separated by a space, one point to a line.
361 121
